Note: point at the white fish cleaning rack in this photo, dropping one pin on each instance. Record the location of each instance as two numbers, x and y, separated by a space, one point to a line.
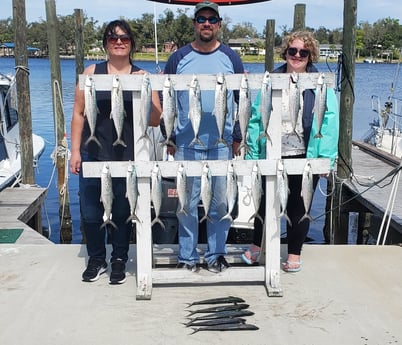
268 273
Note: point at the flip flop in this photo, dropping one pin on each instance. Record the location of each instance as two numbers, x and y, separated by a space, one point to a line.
250 256
297 266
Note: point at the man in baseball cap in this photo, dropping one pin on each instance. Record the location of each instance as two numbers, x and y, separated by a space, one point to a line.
206 5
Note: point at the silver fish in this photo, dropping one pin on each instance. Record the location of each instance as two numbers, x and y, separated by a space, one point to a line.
132 192
145 107
220 308
283 188
294 101
307 191
118 113
244 110
231 190
156 194
219 300
266 104
256 190
228 327
181 186
107 196
320 104
195 109
206 191
91 110
223 314
214 322
221 107
169 111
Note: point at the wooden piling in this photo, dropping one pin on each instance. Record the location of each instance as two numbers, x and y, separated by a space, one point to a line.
79 42
299 18
23 92
269 44
60 127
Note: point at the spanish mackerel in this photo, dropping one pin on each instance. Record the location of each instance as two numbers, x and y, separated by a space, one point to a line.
169 111
294 102
219 300
214 322
307 191
132 191
107 196
320 104
221 107
156 194
145 107
220 308
195 109
266 104
118 112
91 110
228 327
244 111
224 314
206 191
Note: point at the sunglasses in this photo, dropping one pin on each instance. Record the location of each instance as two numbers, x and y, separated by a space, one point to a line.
113 38
302 52
211 20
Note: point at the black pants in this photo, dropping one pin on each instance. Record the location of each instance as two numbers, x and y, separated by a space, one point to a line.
297 232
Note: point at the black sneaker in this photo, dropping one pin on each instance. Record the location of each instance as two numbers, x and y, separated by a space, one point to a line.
219 265
94 269
193 268
118 275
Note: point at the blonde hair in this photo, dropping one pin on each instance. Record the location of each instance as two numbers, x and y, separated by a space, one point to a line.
309 41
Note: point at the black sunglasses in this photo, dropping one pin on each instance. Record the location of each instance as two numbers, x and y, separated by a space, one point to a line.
211 20
302 52
113 38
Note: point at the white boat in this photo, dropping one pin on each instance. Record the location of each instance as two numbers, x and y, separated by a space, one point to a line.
10 155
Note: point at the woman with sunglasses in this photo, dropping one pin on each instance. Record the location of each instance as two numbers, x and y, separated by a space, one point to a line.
299 50
204 55
119 44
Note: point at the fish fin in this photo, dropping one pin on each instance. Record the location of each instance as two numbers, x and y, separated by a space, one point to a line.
318 135
221 140
284 214
227 216
306 216
157 220
93 138
206 217
144 136
256 215
182 210
266 135
196 140
133 218
107 222
119 142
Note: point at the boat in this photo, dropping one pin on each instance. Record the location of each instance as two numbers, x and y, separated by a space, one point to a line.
10 155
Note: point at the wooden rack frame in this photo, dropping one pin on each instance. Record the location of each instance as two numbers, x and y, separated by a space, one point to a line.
268 273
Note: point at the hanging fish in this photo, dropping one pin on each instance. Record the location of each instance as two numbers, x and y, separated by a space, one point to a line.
256 191
282 189
266 104
132 192
107 196
169 111
118 113
181 187
91 110
244 111
294 102
195 109
206 191
221 107
320 103
145 107
231 191
307 191
156 194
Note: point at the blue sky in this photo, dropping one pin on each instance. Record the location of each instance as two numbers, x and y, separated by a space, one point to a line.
327 13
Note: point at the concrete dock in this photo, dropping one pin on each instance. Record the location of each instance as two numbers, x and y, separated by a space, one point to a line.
343 295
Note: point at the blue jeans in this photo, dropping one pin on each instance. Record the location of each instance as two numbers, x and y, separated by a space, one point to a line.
217 230
92 210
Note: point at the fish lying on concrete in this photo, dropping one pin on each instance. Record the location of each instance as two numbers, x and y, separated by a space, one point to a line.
219 300
221 308
91 110
224 314
228 327
214 322
117 112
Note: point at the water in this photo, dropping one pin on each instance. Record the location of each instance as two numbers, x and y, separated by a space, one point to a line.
370 79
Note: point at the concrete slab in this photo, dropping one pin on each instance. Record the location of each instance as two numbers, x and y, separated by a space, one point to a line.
343 295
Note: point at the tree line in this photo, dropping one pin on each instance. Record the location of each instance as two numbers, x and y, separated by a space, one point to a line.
384 36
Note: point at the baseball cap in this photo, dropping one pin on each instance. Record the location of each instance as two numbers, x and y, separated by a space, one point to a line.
206 4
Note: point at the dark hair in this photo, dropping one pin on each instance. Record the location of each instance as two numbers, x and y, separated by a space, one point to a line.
111 29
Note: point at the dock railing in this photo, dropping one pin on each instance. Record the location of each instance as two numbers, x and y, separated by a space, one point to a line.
269 271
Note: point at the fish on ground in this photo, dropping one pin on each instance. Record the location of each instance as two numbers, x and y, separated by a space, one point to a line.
294 102
223 314
117 112
91 110
244 111
132 191
169 110
219 300
107 196
266 104
206 191
282 189
307 191
195 109
231 190
221 107
228 327
320 103
217 309
156 194
256 191
181 187
145 107
215 322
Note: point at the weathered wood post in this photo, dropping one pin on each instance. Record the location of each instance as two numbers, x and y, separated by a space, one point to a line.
60 127
23 93
340 219
79 43
269 44
299 19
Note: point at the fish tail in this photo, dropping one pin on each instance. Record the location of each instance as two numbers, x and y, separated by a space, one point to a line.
144 136
93 138
206 217
119 142
227 216
196 140
195 330
221 140
182 210
256 215
266 135
132 218
169 142
157 220
284 214
107 222
318 135
306 216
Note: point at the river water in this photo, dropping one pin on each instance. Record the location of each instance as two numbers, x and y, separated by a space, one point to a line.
370 79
